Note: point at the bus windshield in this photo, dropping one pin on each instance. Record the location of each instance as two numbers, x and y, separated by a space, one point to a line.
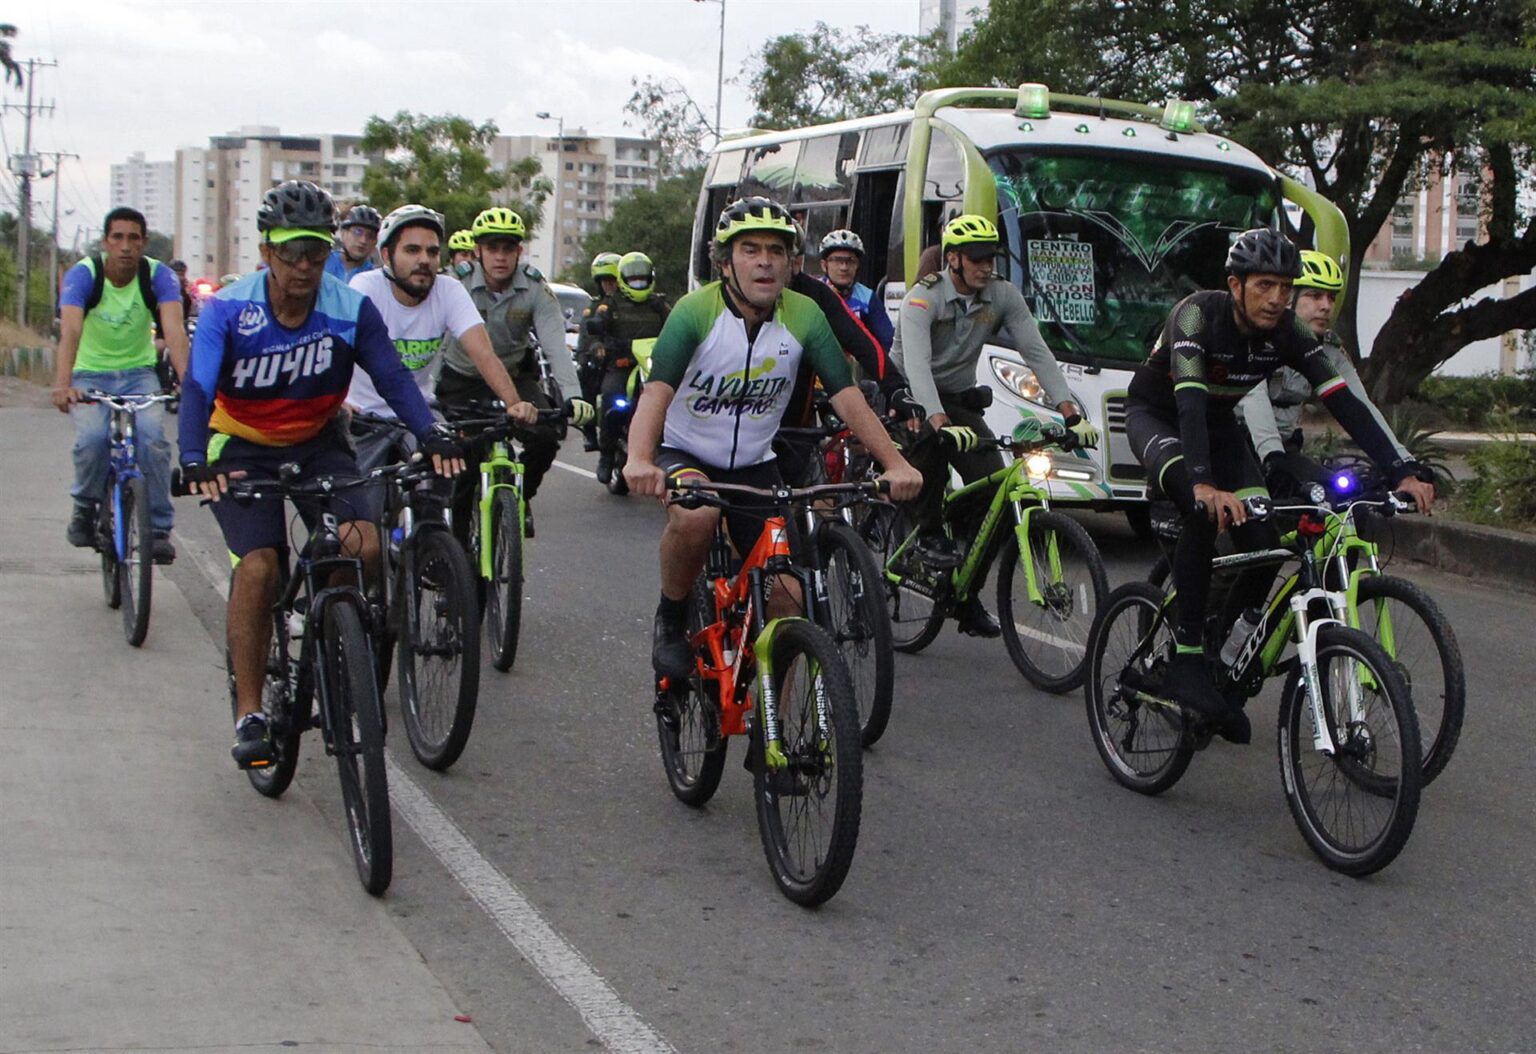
1104 244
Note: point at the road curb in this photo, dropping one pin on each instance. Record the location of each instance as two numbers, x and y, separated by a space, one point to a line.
1471 550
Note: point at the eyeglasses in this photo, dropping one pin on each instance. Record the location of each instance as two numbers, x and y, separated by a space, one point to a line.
311 249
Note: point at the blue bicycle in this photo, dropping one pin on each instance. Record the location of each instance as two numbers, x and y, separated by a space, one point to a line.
123 534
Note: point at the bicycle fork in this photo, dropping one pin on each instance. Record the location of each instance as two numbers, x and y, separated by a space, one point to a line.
488 491
1306 655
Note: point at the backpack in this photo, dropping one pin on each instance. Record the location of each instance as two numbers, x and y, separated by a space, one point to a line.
146 287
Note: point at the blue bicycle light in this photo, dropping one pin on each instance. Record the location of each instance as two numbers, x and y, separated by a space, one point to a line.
621 403
1343 482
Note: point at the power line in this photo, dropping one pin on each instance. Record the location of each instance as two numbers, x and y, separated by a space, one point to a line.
24 165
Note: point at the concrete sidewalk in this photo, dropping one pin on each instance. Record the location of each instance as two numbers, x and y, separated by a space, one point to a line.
149 898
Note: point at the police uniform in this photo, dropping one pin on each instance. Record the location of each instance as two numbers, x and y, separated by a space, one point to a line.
615 324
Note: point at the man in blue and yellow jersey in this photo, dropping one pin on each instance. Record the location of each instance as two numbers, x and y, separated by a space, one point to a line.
721 375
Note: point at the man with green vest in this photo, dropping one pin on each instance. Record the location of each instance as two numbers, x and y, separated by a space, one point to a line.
108 306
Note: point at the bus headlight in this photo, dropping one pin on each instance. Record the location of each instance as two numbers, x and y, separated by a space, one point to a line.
1020 380
1038 466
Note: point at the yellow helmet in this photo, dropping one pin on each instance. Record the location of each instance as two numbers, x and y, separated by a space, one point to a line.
756 214
969 230
606 265
498 222
637 277
1320 271
461 242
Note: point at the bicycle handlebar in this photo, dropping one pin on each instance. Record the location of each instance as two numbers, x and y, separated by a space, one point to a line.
129 403
694 494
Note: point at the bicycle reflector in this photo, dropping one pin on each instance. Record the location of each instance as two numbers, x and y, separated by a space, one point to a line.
1310 526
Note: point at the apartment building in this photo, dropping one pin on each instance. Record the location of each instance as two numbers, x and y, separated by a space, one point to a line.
150 187
1429 222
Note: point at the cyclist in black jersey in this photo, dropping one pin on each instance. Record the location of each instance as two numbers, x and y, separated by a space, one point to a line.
1182 426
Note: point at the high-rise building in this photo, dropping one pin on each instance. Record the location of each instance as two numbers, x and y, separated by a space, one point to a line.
1430 221
954 17
150 187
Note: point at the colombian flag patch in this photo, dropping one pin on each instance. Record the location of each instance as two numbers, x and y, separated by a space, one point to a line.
918 301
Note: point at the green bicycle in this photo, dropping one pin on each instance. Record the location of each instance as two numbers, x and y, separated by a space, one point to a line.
498 525
1051 581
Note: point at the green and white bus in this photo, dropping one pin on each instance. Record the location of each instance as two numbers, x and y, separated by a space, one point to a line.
1110 213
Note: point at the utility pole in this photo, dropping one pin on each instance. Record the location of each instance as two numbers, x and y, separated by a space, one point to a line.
53 241
25 167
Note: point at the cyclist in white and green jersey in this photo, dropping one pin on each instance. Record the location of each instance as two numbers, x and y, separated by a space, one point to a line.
721 375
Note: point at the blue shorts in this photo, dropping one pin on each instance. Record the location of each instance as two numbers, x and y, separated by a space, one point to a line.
262 523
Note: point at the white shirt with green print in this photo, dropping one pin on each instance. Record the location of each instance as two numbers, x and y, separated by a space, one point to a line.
731 389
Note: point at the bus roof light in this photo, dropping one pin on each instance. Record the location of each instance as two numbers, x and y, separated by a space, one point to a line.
1129 133
1082 128
1178 116
1034 101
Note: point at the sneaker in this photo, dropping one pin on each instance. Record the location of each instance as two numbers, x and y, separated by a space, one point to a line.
81 532
164 551
589 439
1188 683
938 550
604 467
976 620
527 520
253 742
671 654
1235 728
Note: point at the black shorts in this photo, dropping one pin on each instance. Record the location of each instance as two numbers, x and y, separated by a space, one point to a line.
263 524
743 522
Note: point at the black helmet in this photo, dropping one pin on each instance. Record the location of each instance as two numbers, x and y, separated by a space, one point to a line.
296 203
362 216
1264 250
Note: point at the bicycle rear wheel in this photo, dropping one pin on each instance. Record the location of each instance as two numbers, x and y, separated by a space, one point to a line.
357 736
692 748
280 708
1047 638
504 593
1355 807
136 568
106 544
857 620
808 810
914 592
1144 746
1418 638
438 650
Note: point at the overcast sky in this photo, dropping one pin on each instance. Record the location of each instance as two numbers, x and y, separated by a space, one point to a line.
136 75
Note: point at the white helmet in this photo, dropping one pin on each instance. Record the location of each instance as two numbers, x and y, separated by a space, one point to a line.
410 216
842 239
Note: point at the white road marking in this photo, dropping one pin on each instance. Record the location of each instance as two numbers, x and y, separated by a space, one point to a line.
614 1022
587 472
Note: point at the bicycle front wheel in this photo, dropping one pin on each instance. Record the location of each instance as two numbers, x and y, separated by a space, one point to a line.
137 566
106 544
856 619
808 809
692 748
504 592
913 591
1046 629
439 649
1355 805
1418 638
1144 746
357 736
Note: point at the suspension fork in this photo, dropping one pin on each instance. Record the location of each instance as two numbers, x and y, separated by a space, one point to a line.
499 459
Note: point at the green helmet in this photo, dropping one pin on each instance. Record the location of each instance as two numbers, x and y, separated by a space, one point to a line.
637 277
1320 271
969 230
755 214
498 222
606 265
461 242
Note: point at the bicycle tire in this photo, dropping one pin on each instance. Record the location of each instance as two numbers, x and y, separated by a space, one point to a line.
1439 695
357 732
136 569
1376 766
810 867
692 748
273 779
1145 748
1048 641
106 544
856 619
504 592
913 592
438 649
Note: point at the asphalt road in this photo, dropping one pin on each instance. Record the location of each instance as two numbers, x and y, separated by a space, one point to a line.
1007 895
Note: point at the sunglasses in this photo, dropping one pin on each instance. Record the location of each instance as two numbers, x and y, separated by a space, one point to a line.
311 249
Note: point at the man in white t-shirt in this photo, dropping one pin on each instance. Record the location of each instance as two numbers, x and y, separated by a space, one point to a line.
419 311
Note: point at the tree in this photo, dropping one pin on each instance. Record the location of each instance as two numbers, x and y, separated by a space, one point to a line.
832 74
1367 98
443 162
7 60
656 222
669 115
